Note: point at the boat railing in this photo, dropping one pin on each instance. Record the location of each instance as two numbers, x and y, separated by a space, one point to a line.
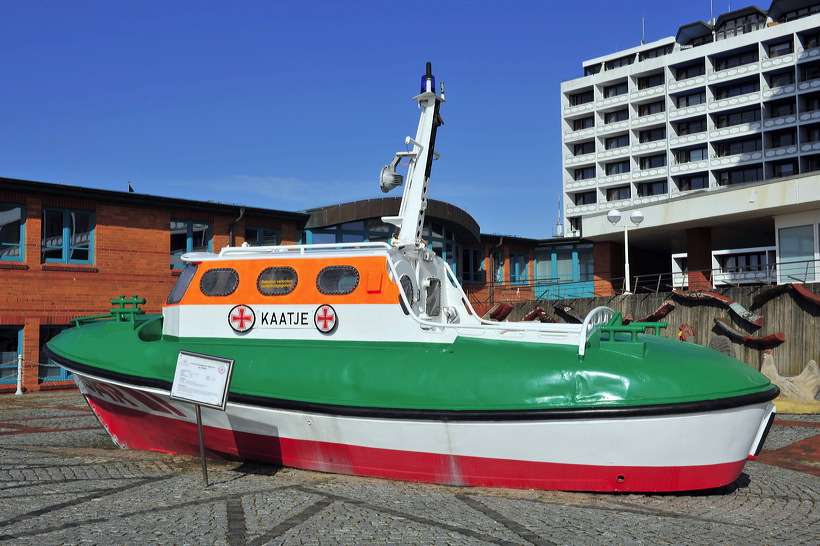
301 249
597 317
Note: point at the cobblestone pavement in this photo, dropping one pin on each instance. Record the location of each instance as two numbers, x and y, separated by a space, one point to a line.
62 481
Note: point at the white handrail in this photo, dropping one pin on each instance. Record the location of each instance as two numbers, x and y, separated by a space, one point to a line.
596 317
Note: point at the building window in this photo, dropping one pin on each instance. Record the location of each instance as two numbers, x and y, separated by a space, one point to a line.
653 80
618 167
809 71
810 102
811 134
784 138
68 236
189 236
781 108
48 369
691 71
652 135
584 97
654 53
617 63
693 154
811 41
585 198
691 99
783 48
615 90
256 236
740 176
781 79
784 168
738 147
737 89
617 115
584 174
796 254
618 194
472 270
691 127
651 108
616 142
696 182
584 148
739 59
12 232
737 118
10 343
653 161
647 189
519 264
583 123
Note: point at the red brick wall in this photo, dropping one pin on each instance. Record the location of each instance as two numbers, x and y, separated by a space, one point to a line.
131 257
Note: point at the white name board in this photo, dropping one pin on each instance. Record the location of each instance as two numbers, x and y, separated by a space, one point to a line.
202 379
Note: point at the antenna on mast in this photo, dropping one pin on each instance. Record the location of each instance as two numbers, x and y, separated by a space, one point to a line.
643 30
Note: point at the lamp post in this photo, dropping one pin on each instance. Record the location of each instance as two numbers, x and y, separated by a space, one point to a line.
614 216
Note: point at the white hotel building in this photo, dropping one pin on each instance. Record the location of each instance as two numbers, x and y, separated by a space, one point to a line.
714 135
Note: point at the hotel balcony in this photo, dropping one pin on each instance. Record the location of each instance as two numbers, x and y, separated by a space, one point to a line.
734 72
735 130
734 102
781 152
687 140
689 83
688 111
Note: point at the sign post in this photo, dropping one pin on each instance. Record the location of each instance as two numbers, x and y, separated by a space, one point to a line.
202 380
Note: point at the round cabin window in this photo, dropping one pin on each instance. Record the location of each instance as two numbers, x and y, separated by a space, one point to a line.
337 280
219 282
277 281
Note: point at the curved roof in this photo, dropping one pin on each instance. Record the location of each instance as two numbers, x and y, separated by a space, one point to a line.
462 224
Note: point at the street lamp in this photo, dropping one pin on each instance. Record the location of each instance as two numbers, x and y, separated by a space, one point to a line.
614 216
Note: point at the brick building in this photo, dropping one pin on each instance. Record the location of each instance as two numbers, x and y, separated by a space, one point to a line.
66 251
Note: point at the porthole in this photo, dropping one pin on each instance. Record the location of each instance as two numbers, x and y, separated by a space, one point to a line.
337 280
277 281
219 282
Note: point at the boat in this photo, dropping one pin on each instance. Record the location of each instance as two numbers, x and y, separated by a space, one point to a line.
736 308
806 294
368 359
761 342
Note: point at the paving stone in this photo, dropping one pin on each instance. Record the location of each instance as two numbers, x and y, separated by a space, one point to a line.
62 481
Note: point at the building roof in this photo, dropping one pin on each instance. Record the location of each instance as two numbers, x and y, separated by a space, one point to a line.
141 199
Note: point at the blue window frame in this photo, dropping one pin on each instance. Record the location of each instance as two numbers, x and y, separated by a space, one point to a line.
12 232
50 370
258 236
189 236
68 236
519 262
11 339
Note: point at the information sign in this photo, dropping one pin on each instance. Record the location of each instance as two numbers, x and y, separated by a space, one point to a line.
202 379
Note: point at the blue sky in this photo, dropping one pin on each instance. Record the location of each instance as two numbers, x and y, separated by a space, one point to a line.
294 104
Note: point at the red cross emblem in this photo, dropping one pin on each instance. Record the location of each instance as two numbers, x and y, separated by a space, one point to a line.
325 319
241 318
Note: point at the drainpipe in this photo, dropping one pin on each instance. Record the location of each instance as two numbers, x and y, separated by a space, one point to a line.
493 264
230 231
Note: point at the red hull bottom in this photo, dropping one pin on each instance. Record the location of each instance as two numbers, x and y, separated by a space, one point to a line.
136 429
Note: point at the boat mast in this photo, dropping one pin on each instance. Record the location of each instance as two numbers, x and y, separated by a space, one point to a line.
410 219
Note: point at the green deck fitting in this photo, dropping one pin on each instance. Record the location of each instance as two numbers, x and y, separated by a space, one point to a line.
121 313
